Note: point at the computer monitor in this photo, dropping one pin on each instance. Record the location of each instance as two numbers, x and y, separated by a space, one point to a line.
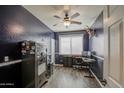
86 53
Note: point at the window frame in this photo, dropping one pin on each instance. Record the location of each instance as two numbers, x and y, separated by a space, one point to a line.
71 36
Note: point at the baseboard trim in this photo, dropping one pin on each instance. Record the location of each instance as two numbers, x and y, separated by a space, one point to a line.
97 79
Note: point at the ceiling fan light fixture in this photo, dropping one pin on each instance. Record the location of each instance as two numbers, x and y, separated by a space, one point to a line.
67 23
67 20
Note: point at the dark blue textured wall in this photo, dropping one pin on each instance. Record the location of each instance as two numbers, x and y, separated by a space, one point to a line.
17 24
97 44
86 42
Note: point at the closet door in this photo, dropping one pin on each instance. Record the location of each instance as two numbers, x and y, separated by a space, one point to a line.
115 62
114 46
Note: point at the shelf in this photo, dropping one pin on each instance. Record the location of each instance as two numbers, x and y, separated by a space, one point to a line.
10 63
98 57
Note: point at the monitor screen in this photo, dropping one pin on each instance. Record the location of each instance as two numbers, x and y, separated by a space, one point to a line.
86 53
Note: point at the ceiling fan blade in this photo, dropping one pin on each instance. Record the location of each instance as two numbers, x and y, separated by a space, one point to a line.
75 15
76 22
57 17
55 24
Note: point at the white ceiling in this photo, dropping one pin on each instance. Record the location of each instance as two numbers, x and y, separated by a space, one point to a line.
45 13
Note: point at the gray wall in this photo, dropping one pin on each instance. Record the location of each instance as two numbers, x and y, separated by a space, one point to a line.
96 43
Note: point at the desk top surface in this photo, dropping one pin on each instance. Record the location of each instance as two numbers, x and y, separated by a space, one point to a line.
85 59
78 57
89 60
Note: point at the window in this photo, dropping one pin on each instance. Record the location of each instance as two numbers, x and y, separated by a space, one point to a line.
71 44
65 45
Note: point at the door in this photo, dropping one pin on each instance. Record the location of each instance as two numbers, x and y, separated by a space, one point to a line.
115 56
113 65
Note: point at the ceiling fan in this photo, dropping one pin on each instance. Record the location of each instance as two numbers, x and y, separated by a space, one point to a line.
68 20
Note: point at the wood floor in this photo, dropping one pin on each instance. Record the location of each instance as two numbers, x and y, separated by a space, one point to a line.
64 77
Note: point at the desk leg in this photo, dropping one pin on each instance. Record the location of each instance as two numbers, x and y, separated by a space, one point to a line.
90 74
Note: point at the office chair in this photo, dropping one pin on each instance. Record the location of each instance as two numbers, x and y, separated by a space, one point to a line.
77 63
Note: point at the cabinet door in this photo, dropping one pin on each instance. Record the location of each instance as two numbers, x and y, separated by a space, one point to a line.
28 73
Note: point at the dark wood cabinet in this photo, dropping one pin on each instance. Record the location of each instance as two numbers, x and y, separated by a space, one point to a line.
10 76
67 61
